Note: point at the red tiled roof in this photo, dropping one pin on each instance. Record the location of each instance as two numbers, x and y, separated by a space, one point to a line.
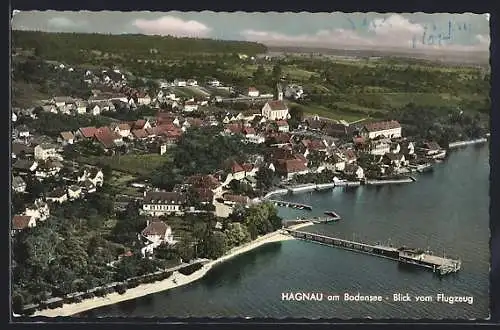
382 126
252 89
174 133
291 165
239 199
203 181
350 154
204 194
249 130
20 222
124 127
316 145
105 136
247 167
282 138
67 136
167 127
358 140
140 133
234 128
88 132
236 168
155 228
277 105
282 123
162 197
301 158
138 124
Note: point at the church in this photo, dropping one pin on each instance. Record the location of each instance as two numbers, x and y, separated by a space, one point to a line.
276 109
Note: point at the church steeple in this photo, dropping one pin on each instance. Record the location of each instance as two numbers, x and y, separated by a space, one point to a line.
279 91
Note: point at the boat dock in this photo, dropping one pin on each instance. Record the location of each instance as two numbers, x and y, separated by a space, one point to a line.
439 265
291 204
393 181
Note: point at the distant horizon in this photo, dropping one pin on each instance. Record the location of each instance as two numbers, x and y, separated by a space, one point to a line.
407 32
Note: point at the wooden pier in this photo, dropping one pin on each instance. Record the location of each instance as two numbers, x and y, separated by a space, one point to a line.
439 265
291 204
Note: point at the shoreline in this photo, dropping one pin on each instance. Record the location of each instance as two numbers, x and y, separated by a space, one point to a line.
167 284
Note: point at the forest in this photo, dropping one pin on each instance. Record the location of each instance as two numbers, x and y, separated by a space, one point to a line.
76 47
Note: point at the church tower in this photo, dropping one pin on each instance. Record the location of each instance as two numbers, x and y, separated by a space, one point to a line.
279 92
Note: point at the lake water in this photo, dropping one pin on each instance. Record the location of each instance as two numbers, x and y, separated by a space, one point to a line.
446 210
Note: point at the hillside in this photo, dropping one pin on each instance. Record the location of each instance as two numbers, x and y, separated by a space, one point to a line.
78 47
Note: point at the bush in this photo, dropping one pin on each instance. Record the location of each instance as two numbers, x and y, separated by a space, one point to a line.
88 295
188 270
100 292
121 288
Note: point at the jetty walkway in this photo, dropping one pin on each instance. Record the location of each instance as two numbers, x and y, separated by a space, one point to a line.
291 204
403 255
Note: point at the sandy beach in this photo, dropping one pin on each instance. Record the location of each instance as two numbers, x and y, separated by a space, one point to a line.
150 288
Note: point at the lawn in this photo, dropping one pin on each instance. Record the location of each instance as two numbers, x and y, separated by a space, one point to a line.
132 164
297 73
121 183
336 114
188 91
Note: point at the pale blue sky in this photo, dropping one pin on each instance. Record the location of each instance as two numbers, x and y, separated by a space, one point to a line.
331 30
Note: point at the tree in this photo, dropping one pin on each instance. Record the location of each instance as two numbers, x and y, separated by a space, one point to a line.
216 245
277 72
236 234
265 178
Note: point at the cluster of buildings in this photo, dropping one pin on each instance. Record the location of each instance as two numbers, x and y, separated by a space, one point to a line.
319 144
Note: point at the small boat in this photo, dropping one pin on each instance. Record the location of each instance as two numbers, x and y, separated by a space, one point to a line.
332 214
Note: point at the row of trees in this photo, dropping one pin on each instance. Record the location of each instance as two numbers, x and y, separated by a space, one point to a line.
76 47
52 124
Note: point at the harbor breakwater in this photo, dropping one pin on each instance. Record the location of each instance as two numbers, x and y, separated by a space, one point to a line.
311 187
465 143
395 181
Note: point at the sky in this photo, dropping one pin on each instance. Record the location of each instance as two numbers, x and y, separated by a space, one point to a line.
445 32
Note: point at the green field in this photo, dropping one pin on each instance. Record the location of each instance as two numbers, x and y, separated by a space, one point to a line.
187 92
131 164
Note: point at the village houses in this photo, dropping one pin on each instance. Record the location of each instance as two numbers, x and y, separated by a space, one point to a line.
388 129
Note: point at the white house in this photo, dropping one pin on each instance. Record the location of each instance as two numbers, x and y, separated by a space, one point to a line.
283 126
74 192
23 131
92 174
214 83
380 147
180 82
39 210
275 110
388 129
21 222
45 151
66 138
18 184
122 129
396 160
143 99
253 92
294 92
95 110
192 82
355 170
159 203
190 106
158 232
14 117
58 195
